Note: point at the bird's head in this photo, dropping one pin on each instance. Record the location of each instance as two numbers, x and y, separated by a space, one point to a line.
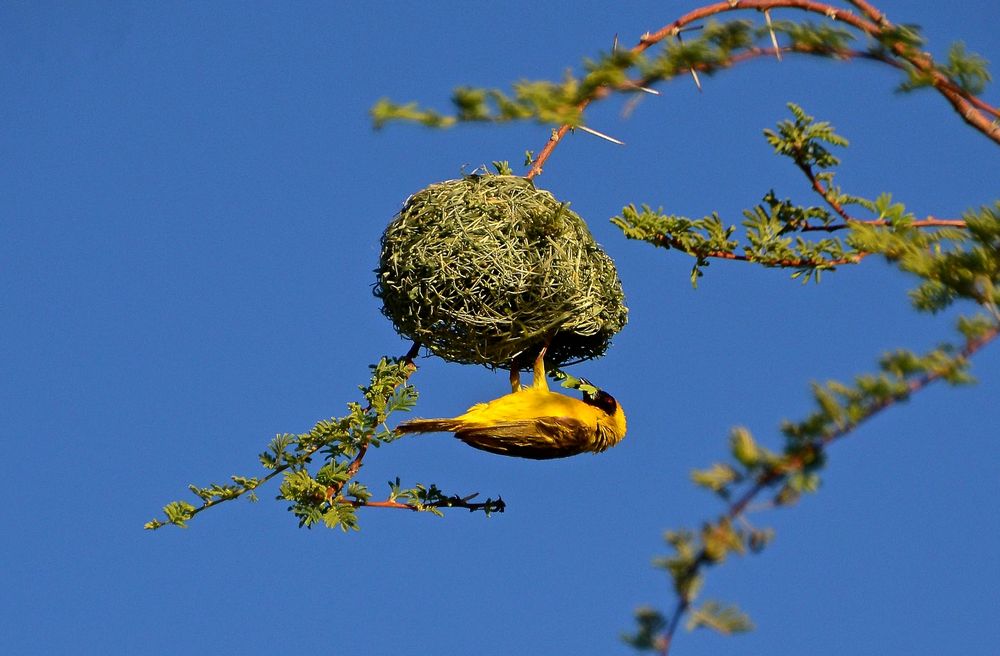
598 398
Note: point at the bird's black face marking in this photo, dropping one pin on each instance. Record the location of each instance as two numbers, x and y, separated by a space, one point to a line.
602 400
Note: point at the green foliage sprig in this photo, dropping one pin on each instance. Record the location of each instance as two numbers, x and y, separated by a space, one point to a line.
329 496
788 474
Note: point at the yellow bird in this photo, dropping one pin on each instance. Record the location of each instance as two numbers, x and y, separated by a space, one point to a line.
533 422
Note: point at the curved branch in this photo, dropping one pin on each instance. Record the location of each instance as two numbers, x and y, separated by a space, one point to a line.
970 108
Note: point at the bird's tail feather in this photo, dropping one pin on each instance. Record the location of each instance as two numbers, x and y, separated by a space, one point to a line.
429 426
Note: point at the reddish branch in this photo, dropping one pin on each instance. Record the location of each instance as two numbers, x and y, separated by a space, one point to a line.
826 194
974 111
929 222
665 241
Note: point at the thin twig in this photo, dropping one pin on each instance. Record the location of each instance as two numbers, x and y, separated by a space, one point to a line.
929 222
491 505
824 192
667 638
664 240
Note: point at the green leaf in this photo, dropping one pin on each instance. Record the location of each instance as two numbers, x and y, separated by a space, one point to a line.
341 515
651 623
178 513
967 69
744 448
358 492
724 619
716 478
721 539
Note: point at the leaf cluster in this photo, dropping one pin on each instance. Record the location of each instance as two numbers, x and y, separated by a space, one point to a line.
803 140
691 551
953 263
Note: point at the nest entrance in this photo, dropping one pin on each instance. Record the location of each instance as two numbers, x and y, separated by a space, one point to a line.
483 270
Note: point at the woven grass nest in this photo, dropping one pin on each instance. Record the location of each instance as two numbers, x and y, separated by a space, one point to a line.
483 270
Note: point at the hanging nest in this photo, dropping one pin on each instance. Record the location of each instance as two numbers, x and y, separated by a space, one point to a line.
485 269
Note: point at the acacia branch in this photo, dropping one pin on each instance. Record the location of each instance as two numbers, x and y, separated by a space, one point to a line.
795 463
973 110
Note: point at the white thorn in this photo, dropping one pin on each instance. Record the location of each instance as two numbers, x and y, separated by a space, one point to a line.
697 82
652 92
774 39
600 134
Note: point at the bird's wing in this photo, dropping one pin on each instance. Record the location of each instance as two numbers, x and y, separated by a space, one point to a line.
539 437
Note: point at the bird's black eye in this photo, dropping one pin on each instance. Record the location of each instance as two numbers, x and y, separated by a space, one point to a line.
603 401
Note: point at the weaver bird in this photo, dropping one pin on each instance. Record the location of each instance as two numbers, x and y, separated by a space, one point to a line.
532 422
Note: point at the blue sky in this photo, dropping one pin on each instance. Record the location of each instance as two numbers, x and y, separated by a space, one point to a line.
190 206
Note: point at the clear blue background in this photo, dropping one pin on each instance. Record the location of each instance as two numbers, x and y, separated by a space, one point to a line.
191 198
